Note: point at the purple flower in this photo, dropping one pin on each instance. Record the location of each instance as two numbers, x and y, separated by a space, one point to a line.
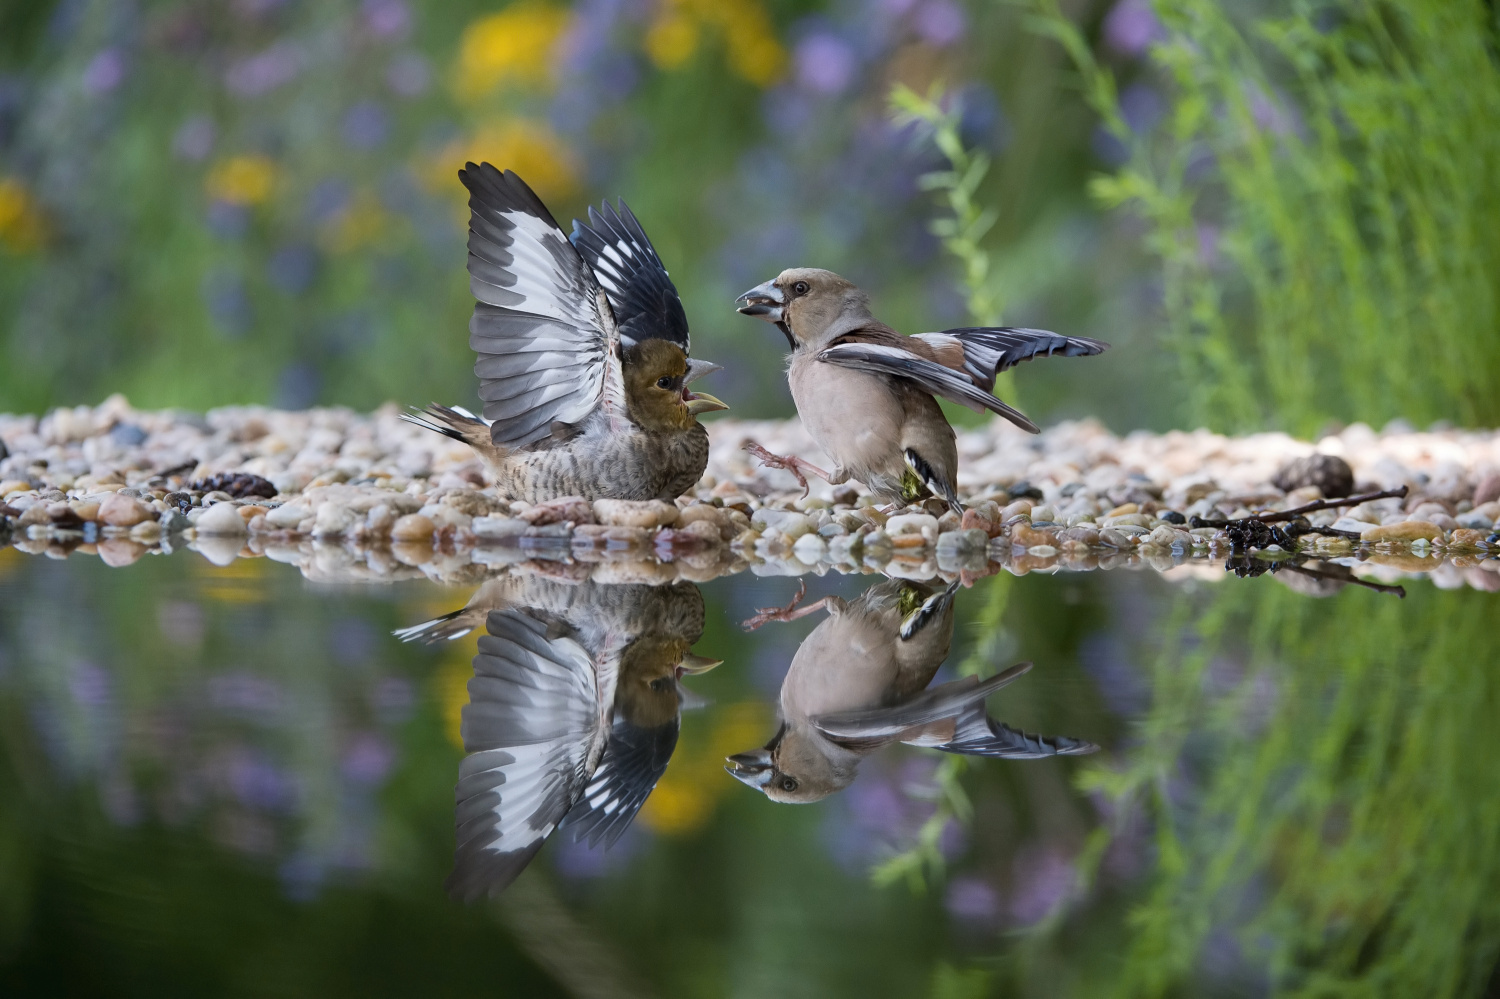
365 125
327 198
392 699
387 18
245 693
88 684
940 22
297 386
1044 880
368 759
259 783
1131 27
228 302
104 72
1141 107
825 63
194 138
262 73
409 74
971 900
293 268
226 220
1208 244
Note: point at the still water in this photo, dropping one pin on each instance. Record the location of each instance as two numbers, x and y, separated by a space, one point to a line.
233 781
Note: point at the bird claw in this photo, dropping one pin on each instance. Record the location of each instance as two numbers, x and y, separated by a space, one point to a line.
765 615
789 463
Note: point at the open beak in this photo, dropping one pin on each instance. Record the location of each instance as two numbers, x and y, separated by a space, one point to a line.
693 665
754 769
697 368
764 301
699 403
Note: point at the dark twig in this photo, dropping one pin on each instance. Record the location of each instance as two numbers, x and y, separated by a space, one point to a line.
1332 504
1400 591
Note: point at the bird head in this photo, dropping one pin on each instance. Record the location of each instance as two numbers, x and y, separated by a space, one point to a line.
809 305
647 693
798 766
656 392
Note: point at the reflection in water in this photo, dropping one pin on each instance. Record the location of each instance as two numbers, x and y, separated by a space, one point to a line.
858 683
573 713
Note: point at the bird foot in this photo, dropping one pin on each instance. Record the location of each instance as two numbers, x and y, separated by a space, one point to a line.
792 464
791 612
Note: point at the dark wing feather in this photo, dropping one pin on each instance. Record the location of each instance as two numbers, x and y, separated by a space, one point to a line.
532 731
989 350
642 295
634 759
949 700
542 327
898 362
980 735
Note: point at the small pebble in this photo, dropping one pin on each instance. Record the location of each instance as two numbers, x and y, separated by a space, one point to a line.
221 519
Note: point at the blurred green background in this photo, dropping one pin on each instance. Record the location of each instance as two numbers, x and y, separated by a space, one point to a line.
1280 213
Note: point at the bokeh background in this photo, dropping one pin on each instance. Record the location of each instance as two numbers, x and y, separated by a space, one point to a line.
1281 214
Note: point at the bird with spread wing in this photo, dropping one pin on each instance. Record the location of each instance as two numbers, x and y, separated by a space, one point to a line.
867 394
858 683
583 354
573 713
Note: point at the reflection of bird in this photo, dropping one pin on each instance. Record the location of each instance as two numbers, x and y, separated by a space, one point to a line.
572 715
583 372
858 683
865 392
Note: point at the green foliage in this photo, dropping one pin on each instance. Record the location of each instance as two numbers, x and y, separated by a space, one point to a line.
1342 826
1322 196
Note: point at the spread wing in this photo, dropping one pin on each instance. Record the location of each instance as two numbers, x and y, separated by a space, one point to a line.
900 362
534 733
942 703
634 759
543 329
642 295
989 350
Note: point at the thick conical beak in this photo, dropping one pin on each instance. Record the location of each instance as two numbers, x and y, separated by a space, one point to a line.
764 301
694 665
699 403
753 769
697 368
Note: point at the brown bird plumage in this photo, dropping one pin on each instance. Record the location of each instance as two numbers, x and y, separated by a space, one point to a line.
858 683
657 452
573 405
866 393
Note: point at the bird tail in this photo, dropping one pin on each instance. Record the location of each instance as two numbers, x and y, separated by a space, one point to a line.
458 424
978 734
989 350
449 626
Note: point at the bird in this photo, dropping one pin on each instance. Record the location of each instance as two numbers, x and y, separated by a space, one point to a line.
583 354
858 683
866 392
573 714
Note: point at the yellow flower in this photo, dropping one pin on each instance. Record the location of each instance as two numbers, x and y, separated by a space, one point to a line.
672 40
528 147
450 684
514 45
22 226
241 180
749 37
689 791
360 223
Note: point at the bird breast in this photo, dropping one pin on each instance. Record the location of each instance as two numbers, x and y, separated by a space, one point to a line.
854 416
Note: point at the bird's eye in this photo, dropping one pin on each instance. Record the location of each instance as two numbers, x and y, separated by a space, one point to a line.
659 684
664 382
788 784
800 288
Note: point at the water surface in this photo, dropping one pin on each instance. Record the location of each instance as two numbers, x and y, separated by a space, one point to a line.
230 780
